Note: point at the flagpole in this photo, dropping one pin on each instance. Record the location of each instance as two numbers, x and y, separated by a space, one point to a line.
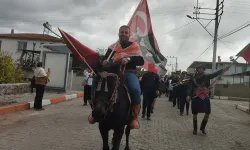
223 72
78 52
112 51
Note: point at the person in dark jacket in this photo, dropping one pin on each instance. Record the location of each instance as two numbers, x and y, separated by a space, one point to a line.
150 88
183 94
162 86
198 92
174 93
167 86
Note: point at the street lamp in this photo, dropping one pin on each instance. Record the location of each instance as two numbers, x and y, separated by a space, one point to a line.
190 17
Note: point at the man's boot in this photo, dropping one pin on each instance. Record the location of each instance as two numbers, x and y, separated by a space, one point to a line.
143 111
143 116
148 116
203 126
195 127
135 111
91 119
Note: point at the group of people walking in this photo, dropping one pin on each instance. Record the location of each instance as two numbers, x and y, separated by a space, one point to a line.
177 88
185 88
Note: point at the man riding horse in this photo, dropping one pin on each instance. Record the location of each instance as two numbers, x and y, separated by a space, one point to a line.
129 54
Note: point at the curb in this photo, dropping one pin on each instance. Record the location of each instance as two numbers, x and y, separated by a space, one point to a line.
232 98
19 107
242 108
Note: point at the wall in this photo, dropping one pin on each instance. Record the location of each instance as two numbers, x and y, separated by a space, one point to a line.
233 90
11 45
18 88
77 83
232 80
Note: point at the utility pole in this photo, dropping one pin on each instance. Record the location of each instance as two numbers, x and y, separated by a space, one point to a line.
215 43
217 22
176 62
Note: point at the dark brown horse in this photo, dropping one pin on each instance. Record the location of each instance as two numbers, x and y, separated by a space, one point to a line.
111 104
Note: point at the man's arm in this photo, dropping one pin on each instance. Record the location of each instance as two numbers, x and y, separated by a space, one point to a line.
190 88
137 60
215 74
109 51
157 81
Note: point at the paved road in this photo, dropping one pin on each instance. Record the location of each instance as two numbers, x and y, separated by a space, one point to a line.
64 127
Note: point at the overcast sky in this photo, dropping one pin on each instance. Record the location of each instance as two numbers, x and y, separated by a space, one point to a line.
95 23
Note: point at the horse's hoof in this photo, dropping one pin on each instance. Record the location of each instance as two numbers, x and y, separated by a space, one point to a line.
105 148
127 148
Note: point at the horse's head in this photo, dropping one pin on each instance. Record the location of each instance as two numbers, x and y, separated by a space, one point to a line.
106 84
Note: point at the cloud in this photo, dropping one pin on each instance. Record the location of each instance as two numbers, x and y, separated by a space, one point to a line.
95 23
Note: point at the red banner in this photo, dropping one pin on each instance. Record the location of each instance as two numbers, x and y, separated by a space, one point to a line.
79 51
245 53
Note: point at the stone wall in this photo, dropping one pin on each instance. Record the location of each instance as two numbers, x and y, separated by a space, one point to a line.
18 88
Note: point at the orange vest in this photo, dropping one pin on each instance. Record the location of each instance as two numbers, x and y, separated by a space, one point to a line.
42 80
132 50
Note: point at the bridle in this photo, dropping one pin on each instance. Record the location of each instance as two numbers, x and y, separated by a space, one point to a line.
109 103
113 99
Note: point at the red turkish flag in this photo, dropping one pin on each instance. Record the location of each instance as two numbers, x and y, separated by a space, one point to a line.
245 53
79 51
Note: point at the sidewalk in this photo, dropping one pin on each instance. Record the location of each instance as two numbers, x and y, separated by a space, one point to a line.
232 98
12 103
244 106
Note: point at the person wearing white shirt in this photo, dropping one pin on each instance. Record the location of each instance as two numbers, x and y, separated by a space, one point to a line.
41 79
88 77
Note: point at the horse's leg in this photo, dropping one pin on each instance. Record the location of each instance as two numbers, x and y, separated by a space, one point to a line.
127 132
113 139
118 133
105 136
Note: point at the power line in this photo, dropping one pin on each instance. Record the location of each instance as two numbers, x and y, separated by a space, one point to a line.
205 50
179 27
235 30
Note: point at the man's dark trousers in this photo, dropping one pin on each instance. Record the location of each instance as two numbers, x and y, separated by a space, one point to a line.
148 98
183 102
39 96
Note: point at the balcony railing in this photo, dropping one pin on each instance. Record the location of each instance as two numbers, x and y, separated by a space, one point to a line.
29 58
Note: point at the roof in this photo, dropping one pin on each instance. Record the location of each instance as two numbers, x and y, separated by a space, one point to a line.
62 48
31 36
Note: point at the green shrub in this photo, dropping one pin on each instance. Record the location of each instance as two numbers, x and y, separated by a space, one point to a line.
10 71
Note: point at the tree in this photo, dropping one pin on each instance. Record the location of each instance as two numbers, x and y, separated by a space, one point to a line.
101 51
140 71
10 72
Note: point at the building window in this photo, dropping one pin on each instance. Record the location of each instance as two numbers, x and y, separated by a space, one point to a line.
22 46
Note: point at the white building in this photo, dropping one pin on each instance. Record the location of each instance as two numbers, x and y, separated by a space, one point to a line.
15 43
235 75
